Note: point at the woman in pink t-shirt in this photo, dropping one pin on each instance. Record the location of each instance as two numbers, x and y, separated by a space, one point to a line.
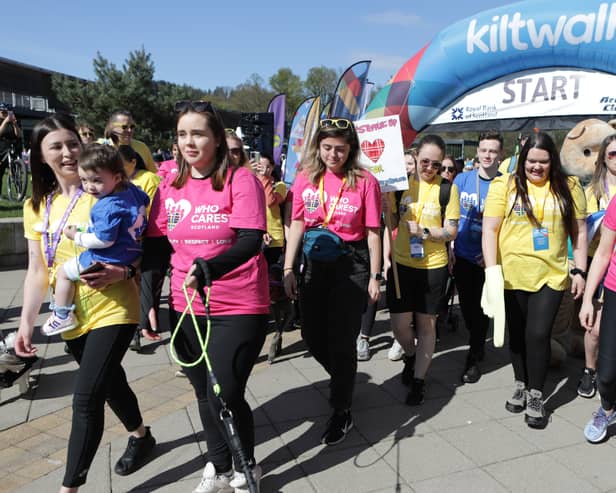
603 260
337 209
213 214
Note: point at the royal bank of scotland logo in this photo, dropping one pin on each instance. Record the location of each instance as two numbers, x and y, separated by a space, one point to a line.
457 113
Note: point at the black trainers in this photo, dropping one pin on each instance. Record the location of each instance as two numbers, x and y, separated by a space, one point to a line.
409 369
136 453
535 412
587 386
337 428
135 344
416 395
275 347
471 372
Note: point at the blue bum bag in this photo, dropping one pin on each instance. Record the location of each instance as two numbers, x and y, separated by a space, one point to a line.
323 245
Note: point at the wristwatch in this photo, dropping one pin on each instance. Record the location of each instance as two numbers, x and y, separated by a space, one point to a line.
575 271
426 234
377 276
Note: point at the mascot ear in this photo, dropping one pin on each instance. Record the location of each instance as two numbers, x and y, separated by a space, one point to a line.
612 123
573 134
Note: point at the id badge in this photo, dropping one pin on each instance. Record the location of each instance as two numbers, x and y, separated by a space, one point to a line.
540 239
417 247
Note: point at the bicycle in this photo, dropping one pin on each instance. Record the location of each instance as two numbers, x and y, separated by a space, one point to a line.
17 179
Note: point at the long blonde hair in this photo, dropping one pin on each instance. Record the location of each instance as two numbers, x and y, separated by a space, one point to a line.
597 182
313 165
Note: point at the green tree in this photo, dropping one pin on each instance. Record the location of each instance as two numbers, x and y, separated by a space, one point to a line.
285 81
250 96
321 81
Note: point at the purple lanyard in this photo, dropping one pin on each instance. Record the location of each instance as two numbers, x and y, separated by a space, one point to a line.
51 244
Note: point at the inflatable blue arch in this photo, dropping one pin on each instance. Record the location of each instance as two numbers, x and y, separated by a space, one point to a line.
482 48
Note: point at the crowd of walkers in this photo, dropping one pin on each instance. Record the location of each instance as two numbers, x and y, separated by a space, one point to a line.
106 224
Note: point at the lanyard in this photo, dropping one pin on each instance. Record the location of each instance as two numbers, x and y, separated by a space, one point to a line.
52 241
328 215
479 206
538 215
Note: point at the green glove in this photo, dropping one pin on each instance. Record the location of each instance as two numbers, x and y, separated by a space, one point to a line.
493 301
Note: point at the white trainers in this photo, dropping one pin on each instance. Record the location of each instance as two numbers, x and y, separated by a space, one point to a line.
10 362
239 480
395 352
56 325
214 483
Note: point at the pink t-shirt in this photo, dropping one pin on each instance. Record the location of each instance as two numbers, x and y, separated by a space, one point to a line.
609 221
200 222
356 210
168 170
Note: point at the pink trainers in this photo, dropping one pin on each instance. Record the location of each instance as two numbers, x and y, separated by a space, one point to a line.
56 325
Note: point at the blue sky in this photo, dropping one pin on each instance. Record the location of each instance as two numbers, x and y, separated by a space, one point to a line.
206 44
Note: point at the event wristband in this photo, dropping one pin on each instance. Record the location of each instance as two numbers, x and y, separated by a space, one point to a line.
376 276
575 271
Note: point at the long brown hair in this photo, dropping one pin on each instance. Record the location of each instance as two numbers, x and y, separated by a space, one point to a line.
314 166
597 182
221 159
559 186
44 180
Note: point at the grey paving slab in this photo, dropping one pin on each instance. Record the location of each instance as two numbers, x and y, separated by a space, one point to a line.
306 403
538 472
559 432
285 478
393 422
176 456
488 442
422 457
470 481
588 462
279 378
442 414
348 470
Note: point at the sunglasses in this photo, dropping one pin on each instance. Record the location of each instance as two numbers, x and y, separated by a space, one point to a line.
86 134
611 154
235 150
125 127
341 123
428 162
449 169
198 106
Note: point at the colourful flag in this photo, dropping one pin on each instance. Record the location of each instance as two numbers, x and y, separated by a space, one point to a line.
312 121
277 106
348 95
365 97
296 141
325 110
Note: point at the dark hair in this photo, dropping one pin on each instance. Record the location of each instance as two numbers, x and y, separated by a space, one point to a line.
243 156
269 158
96 157
108 133
559 186
221 159
491 135
128 154
597 182
432 139
120 112
314 166
44 180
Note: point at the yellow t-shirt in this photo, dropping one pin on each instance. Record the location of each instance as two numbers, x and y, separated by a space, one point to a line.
115 304
148 182
421 203
524 267
274 219
145 154
593 205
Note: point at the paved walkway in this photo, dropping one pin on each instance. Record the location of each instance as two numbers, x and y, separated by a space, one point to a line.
461 439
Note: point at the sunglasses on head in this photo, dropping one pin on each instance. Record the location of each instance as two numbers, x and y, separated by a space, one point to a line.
341 123
611 154
130 126
428 162
449 169
230 132
198 106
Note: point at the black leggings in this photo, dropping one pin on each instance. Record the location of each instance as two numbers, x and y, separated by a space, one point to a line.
100 378
606 363
530 317
333 297
234 346
469 281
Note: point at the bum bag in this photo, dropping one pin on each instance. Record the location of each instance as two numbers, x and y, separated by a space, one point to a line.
323 245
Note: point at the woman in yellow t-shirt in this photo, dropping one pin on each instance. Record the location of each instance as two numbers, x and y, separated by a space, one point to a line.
600 190
420 253
527 219
106 304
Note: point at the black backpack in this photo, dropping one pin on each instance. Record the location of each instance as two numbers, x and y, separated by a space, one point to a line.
443 197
